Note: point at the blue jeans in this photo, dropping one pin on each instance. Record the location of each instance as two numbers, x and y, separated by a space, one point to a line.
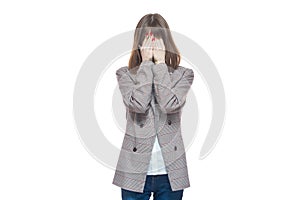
159 185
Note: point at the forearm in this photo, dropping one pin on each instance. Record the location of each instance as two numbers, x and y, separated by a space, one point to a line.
170 96
136 92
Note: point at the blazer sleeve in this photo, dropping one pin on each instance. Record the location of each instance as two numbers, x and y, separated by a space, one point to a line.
170 96
136 90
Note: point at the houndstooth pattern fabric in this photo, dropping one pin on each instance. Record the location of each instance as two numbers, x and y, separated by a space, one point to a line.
170 87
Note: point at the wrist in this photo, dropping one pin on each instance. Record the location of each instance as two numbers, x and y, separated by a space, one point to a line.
147 62
147 59
159 62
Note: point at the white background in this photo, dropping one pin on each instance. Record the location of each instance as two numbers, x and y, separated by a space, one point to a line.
254 44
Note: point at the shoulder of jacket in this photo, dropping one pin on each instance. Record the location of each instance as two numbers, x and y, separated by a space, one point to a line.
183 69
122 69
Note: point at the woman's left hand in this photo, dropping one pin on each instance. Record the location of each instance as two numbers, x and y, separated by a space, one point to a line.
159 52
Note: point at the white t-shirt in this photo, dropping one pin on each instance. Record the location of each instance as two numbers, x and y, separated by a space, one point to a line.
157 165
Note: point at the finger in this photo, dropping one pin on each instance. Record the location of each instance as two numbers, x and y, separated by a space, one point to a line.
146 38
144 41
162 44
154 44
158 44
148 43
152 39
150 35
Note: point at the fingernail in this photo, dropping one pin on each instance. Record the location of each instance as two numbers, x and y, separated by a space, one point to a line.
151 33
153 39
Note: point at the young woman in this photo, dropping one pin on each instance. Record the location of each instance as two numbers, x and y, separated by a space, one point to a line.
154 89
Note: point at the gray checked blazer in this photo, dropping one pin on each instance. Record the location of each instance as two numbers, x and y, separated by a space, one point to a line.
141 87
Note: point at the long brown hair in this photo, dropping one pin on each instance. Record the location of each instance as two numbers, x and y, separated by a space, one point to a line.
160 29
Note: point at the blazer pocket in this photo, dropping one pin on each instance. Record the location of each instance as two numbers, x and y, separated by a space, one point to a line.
173 118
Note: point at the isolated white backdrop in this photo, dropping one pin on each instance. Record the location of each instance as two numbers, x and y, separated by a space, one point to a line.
254 45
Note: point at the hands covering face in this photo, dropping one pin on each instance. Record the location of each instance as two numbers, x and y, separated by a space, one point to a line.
153 47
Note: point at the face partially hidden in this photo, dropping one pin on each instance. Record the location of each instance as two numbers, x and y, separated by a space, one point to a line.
151 32
160 38
153 48
152 40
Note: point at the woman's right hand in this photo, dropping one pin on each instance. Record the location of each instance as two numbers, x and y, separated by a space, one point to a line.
146 48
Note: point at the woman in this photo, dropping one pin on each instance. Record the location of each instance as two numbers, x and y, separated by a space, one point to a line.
154 89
